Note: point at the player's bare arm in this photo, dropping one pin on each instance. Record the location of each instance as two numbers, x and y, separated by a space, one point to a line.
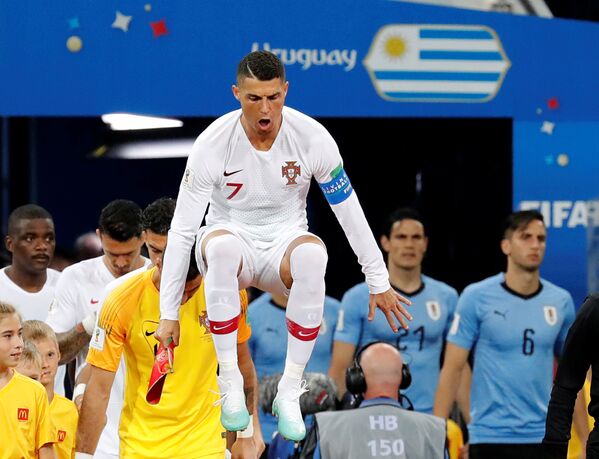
463 393
251 446
343 354
92 416
71 342
449 379
390 302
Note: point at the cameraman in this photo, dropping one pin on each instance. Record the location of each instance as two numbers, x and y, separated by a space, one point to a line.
379 427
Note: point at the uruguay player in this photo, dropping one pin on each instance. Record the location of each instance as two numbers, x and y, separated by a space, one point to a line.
433 305
518 323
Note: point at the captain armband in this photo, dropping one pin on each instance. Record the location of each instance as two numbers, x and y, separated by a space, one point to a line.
339 189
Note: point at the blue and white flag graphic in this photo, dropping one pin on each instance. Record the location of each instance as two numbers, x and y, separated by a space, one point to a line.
437 63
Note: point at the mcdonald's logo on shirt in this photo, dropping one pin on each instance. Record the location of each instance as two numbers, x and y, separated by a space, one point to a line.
61 435
23 414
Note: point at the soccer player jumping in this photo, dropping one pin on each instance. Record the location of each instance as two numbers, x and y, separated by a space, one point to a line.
254 166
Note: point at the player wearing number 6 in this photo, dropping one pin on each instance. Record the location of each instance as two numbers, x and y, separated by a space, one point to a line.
518 323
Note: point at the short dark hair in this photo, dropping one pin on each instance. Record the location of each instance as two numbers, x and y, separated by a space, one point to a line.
403 213
520 220
193 271
158 215
26 212
121 220
261 65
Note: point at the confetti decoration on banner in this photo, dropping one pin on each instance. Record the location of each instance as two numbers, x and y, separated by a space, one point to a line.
539 111
563 159
73 23
553 103
74 44
159 28
549 160
148 7
121 21
547 127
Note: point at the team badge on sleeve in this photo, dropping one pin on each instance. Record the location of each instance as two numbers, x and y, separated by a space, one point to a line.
188 178
433 309
550 315
98 337
455 325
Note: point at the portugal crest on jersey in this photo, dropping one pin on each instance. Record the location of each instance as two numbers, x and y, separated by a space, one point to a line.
204 322
291 172
550 315
433 309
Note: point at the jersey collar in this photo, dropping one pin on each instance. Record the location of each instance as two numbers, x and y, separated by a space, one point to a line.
520 295
414 293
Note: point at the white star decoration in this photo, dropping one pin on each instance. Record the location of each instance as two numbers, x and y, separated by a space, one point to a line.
121 21
548 127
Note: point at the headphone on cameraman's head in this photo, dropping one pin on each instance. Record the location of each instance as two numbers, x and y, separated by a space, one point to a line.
356 382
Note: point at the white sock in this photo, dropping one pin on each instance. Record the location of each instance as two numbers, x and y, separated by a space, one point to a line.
304 310
223 257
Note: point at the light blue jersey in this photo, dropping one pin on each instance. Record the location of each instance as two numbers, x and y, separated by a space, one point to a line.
516 339
268 345
432 310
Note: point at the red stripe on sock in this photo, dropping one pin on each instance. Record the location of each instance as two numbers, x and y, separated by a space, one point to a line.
224 327
302 333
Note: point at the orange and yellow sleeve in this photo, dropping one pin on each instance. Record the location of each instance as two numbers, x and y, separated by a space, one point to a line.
245 330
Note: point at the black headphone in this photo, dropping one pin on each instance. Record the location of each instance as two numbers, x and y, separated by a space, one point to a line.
356 382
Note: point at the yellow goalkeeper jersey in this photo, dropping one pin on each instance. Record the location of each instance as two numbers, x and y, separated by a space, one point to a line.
185 423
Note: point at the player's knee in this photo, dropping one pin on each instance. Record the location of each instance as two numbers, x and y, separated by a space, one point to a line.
308 262
224 251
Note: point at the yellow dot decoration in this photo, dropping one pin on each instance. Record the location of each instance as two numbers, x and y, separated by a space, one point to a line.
563 160
74 44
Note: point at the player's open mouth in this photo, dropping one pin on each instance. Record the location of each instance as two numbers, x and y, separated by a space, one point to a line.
264 123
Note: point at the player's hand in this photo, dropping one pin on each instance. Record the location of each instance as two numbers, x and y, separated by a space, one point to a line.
166 330
244 448
463 453
390 302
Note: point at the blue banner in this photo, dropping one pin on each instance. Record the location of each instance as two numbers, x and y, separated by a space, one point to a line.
376 58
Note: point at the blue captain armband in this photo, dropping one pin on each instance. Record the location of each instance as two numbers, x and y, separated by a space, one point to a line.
339 189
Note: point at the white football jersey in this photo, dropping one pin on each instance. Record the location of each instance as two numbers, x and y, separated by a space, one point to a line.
80 292
33 306
262 194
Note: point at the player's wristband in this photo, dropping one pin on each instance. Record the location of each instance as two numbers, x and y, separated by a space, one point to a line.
79 390
249 431
83 456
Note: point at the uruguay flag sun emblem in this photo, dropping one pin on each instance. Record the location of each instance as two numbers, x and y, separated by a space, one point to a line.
436 63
